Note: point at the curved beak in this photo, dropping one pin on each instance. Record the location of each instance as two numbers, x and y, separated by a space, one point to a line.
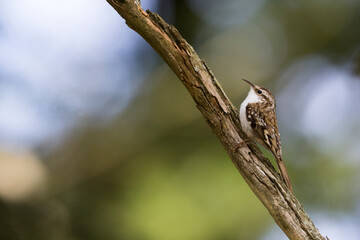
252 85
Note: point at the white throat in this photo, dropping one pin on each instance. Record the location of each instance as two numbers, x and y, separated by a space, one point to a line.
252 97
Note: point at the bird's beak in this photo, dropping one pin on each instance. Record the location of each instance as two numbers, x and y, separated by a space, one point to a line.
252 85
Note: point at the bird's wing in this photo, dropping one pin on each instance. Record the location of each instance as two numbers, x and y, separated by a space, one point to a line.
264 124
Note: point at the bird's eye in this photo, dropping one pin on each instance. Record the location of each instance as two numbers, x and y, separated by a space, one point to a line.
259 91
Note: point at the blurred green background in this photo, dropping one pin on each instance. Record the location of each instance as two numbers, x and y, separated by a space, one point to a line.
99 139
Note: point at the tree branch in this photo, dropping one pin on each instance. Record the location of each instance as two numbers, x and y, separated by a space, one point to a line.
222 117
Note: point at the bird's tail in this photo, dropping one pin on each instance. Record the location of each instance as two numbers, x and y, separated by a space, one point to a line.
283 172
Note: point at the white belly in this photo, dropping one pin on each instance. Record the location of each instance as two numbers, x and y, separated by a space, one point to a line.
245 124
252 97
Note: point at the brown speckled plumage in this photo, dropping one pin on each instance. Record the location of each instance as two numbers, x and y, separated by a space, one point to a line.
260 124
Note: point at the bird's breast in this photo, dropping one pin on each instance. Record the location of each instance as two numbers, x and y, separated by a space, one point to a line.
245 124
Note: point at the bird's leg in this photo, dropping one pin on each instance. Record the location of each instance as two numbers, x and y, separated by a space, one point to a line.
241 144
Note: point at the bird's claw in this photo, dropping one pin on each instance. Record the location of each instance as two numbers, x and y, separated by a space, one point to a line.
241 144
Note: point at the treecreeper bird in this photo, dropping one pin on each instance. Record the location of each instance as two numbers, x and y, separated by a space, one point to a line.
258 121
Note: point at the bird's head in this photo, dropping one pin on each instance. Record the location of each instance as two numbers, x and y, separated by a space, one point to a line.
259 94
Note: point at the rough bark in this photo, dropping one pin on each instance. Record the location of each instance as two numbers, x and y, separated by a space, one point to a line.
222 117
